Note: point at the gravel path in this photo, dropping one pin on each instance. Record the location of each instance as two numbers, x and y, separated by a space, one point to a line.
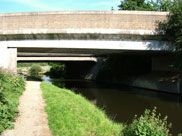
32 120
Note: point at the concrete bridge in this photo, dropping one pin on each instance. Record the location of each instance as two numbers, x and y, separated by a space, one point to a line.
78 32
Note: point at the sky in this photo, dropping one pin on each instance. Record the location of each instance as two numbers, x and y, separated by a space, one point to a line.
56 5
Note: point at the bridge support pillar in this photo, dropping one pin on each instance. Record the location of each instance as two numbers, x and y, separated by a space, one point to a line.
12 59
8 58
4 56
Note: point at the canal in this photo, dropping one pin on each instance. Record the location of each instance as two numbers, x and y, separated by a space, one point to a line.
121 103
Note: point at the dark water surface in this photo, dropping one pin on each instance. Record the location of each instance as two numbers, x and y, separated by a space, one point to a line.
121 103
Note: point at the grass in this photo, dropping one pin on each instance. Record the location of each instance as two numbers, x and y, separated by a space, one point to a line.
70 114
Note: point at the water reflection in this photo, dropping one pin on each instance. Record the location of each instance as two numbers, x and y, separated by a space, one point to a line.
121 103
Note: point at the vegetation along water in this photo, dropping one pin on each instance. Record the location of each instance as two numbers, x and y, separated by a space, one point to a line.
122 103
64 105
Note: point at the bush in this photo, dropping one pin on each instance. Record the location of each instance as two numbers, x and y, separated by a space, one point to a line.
148 124
11 88
57 70
35 72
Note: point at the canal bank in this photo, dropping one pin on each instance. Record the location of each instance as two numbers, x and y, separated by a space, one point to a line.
121 103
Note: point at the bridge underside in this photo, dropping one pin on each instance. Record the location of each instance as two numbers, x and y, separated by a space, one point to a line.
75 50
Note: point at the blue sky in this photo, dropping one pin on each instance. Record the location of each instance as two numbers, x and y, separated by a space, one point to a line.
56 5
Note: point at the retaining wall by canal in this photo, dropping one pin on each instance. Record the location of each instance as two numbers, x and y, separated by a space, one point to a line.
158 85
151 81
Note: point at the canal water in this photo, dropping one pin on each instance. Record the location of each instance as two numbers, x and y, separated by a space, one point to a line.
121 103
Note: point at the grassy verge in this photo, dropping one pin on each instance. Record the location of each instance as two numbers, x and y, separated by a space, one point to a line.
70 114
11 88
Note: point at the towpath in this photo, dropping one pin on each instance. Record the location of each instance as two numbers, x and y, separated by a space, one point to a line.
32 119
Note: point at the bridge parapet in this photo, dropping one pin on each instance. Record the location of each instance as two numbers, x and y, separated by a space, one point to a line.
79 22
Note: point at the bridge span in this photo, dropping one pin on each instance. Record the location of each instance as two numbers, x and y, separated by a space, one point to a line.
79 32
93 59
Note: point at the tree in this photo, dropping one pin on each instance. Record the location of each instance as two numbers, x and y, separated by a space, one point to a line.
57 69
161 5
134 5
35 71
173 27
152 5
172 30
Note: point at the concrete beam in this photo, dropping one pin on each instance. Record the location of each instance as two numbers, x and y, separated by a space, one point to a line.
80 31
96 45
57 59
91 34
31 54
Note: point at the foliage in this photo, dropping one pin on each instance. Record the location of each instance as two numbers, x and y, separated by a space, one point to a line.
29 64
161 5
134 5
11 88
35 72
172 30
70 114
65 107
153 5
148 124
57 69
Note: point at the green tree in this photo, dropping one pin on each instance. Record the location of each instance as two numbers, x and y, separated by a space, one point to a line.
57 70
35 72
134 5
161 5
152 5
172 30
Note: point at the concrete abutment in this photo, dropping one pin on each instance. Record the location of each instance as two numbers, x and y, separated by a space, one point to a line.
8 58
